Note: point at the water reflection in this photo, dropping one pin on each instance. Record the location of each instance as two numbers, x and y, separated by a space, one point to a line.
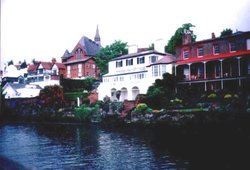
81 147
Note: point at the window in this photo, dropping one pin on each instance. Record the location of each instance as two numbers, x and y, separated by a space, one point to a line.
79 70
156 71
93 66
118 63
54 72
78 53
199 51
121 78
141 76
68 71
248 44
140 60
163 69
129 62
232 47
153 58
185 54
216 49
40 71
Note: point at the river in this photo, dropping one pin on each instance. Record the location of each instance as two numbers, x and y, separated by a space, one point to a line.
67 146
50 146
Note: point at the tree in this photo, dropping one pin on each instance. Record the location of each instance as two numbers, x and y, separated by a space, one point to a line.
161 92
176 39
52 96
226 32
106 54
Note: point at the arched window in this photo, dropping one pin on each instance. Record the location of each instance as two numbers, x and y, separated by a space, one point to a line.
78 53
135 92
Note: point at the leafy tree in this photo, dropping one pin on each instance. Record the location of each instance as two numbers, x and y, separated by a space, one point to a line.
176 39
161 92
225 32
114 50
52 96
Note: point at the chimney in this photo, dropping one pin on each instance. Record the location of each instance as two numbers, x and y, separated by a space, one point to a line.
132 48
53 60
186 37
159 45
213 35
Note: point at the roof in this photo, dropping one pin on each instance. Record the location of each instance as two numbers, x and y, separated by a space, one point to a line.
60 65
214 57
91 47
22 85
238 33
66 54
79 60
138 54
46 65
21 90
165 60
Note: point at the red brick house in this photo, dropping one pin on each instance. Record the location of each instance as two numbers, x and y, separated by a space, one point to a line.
216 63
80 62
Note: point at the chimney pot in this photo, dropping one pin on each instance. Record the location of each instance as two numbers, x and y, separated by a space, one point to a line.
213 35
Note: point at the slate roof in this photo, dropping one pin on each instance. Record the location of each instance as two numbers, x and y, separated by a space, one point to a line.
66 54
90 46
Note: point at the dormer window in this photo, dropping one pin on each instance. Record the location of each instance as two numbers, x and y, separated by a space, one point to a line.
185 54
199 51
232 47
216 49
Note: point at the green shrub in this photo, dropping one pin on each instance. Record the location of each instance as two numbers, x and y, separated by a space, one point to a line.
141 107
212 95
85 113
227 96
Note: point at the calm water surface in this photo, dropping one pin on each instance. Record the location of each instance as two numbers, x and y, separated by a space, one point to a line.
84 147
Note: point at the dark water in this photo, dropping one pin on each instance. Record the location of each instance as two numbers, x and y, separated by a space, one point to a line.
85 147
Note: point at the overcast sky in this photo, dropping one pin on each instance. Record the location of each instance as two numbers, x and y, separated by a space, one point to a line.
43 29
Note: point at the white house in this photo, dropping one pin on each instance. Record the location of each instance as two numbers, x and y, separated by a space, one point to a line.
45 73
18 90
132 74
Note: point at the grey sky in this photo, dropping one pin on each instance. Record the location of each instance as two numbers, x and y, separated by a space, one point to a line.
43 29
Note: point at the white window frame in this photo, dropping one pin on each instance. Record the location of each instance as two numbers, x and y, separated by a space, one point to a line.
216 51
185 54
200 51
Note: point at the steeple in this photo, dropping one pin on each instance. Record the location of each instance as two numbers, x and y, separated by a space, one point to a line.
97 36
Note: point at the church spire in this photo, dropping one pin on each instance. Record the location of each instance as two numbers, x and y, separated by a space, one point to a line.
97 36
